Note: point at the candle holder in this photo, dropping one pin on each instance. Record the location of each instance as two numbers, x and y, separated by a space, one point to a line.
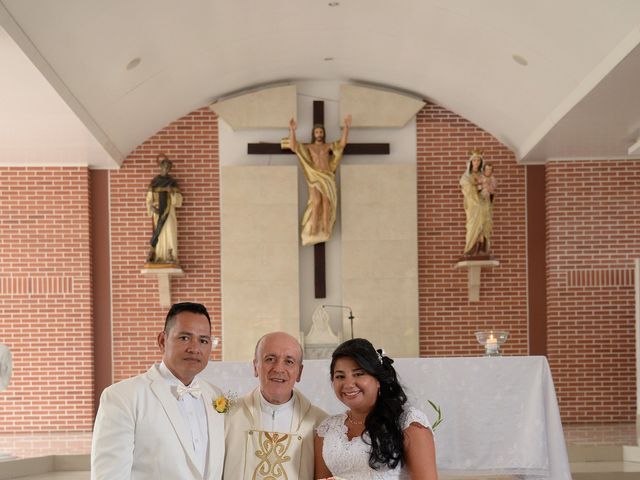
491 341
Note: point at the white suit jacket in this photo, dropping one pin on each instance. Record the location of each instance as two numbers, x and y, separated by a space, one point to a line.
139 433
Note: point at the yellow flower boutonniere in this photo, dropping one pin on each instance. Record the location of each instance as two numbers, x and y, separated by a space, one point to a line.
223 403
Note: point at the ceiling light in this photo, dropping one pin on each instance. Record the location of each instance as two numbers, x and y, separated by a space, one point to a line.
520 60
133 63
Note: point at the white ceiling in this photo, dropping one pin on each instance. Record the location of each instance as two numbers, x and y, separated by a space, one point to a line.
576 98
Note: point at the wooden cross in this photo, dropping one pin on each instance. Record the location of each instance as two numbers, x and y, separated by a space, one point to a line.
264 148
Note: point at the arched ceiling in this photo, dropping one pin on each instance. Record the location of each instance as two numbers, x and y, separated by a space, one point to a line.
574 98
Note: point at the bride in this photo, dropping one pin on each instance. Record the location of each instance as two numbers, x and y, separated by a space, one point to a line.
379 436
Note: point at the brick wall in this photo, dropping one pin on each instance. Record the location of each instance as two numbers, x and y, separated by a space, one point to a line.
45 299
45 283
593 236
447 319
191 143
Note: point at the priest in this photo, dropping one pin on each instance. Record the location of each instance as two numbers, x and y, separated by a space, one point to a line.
269 432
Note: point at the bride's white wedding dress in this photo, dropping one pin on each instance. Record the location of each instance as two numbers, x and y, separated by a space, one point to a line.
349 459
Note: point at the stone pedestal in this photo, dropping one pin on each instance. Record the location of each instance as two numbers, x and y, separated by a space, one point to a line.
164 281
474 267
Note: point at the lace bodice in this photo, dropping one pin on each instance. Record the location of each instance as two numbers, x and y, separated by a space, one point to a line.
349 459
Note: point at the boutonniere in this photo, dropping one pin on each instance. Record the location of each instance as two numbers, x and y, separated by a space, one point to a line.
223 403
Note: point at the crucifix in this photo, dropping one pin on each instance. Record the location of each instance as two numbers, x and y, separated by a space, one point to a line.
350 149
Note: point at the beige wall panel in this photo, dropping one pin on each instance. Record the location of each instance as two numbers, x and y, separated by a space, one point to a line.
267 108
372 107
260 273
380 256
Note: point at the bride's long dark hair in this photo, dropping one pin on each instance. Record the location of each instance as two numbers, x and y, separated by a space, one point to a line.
383 422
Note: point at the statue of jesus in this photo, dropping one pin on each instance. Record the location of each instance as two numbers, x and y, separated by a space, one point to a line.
319 161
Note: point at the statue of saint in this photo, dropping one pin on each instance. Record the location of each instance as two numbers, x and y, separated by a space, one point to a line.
478 190
319 161
321 332
163 197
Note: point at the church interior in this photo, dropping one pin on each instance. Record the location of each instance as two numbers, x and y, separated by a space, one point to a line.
95 93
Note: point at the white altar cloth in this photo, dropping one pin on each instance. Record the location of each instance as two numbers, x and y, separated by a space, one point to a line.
500 413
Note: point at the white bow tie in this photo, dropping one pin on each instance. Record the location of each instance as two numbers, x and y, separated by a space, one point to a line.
193 390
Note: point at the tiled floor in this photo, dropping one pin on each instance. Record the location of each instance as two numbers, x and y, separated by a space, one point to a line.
594 438
57 476
14 447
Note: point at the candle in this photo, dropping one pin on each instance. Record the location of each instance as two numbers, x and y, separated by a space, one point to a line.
492 344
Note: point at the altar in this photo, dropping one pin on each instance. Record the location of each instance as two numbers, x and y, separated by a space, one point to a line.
500 413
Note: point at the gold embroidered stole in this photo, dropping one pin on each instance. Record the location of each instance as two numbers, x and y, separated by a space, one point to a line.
273 455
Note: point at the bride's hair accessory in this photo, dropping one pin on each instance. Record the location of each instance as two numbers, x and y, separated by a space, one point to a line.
382 355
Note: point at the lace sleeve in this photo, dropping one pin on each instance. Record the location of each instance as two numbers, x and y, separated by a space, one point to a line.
328 424
413 415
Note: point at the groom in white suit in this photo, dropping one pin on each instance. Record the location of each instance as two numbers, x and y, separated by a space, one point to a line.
162 424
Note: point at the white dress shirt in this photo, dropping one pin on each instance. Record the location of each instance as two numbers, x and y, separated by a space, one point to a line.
193 412
276 418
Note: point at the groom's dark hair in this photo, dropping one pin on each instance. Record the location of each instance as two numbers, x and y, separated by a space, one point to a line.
383 422
177 308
